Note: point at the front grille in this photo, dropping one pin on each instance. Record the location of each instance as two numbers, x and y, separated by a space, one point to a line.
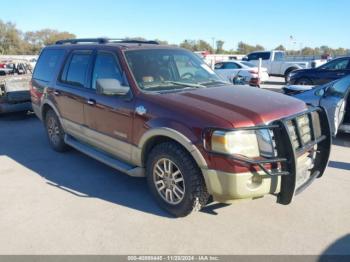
303 129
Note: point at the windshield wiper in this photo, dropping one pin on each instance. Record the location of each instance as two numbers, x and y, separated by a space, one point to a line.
214 82
184 84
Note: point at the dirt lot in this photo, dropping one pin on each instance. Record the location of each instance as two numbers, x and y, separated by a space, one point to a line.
55 203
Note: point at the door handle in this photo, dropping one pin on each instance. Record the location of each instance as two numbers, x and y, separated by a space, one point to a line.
340 74
91 102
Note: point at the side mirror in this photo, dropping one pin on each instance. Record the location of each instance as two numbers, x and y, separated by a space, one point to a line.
245 59
321 92
110 87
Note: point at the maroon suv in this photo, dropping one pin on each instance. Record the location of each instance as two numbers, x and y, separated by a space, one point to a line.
161 112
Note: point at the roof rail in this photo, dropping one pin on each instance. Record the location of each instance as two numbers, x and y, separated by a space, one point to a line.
104 41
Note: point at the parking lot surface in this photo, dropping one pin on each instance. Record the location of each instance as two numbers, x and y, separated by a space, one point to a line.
52 203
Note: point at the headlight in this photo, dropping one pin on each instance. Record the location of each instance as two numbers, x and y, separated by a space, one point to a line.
249 143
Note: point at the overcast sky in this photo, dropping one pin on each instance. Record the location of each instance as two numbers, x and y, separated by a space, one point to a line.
267 22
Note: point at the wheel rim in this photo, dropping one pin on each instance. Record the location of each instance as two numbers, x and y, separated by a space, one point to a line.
53 130
288 77
303 82
169 181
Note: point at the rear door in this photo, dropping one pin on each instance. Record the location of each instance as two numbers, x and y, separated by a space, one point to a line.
276 65
333 70
109 117
71 90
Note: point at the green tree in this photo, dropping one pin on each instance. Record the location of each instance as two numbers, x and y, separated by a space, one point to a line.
244 48
308 51
220 47
199 45
11 41
280 48
46 37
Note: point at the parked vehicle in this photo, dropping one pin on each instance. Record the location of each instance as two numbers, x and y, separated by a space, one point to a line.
230 70
15 68
14 94
334 97
277 64
161 112
333 70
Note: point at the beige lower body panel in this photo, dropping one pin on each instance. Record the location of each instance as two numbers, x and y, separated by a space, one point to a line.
225 186
115 147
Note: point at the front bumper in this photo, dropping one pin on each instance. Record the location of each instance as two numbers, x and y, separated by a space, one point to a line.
284 178
225 186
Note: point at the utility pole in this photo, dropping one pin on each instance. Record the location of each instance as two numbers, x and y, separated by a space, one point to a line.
213 38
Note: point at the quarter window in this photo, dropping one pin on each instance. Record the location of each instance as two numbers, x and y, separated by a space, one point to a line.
47 64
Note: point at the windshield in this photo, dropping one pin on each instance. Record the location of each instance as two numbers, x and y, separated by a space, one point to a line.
169 69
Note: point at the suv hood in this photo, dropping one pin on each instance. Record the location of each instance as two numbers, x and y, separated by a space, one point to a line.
239 105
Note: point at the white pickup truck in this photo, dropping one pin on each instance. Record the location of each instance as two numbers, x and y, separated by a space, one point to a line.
278 64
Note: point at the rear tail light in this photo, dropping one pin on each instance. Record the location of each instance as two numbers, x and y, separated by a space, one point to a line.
34 93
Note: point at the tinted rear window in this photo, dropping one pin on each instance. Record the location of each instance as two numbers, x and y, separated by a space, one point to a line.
256 56
47 64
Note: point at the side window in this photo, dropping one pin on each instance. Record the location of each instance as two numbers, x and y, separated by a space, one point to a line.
264 55
339 64
75 70
231 66
47 64
279 56
253 56
106 67
219 65
340 87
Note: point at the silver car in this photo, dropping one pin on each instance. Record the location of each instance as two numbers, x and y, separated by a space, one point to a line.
333 96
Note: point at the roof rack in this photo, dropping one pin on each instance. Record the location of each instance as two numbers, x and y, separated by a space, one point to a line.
104 41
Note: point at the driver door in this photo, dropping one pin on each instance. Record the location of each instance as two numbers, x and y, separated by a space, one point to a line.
334 70
109 117
335 100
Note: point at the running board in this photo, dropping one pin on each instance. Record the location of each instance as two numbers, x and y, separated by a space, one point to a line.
117 164
345 128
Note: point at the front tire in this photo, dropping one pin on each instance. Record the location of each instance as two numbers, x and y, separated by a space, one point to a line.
55 132
175 180
304 81
287 74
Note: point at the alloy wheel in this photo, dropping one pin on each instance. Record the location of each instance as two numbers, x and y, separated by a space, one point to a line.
53 130
169 181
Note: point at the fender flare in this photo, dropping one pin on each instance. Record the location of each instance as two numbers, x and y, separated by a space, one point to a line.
174 135
50 104
291 68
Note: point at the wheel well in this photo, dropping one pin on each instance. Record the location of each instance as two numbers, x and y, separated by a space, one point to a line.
152 142
290 69
46 108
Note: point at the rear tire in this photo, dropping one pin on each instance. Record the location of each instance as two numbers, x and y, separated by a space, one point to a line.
287 74
303 81
55 132
167 163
